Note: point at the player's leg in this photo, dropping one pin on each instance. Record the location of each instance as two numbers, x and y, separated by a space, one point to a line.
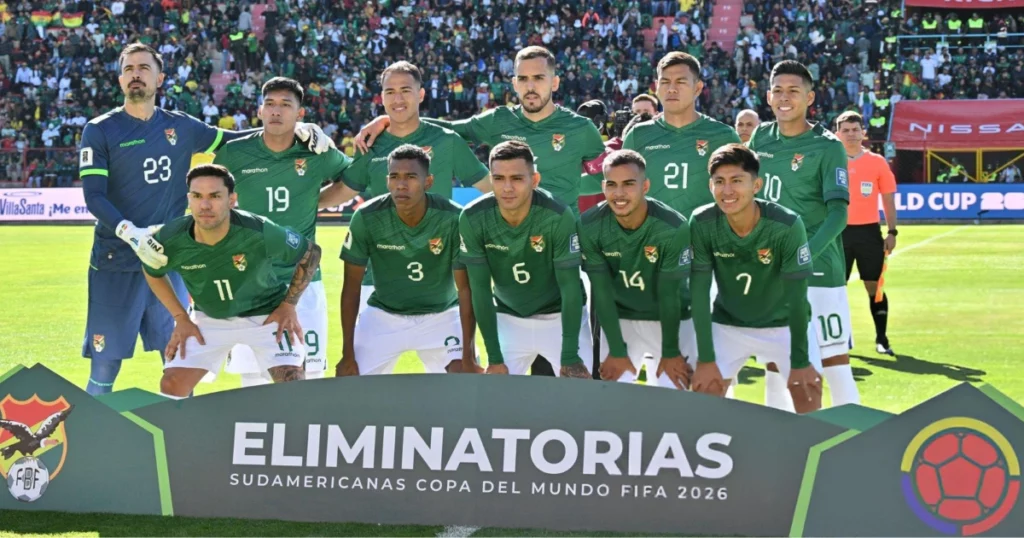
518 338
282 360
312 312
830 317
688 347
732 348
117 304
364 296
776 387
242 360
636 345
439 340
184 371
645 337
870 258
548 337
380 338
157 322
773 345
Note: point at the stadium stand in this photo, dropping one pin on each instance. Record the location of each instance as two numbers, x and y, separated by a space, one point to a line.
58 60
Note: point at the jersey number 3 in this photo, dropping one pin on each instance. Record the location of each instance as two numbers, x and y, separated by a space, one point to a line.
157 170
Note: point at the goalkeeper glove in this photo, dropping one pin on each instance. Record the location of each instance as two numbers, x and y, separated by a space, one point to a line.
314 137
148 249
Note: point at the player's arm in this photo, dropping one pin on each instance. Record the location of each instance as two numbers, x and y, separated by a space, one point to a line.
184 327
468 168
602 290
471 247
208 139
675 267
468 319
593 144
355 254
887 187
567 259
796 269
836 190
593 175
288 247
472 129
352 179
337 193
700 293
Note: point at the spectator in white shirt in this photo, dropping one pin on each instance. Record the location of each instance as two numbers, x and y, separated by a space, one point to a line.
211 113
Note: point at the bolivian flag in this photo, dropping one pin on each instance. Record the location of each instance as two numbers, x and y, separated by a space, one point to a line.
73 20
41 18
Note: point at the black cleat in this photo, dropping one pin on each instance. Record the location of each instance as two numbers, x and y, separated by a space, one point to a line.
882 346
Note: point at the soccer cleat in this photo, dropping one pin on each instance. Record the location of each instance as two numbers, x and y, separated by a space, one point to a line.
882 346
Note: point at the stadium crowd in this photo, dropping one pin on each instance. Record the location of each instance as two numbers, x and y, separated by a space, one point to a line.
57 73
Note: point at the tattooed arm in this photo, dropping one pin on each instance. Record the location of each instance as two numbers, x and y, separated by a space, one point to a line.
285 316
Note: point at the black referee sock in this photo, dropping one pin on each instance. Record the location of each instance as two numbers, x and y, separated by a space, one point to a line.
880 313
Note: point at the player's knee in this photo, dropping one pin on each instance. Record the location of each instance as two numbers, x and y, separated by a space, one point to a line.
838 360
772 367
871 286
283 374
173 384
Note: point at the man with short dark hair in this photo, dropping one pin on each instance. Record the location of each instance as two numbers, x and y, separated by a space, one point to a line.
645 103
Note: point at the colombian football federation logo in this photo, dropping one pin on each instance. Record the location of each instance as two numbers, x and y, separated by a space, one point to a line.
537 243
429 150
239 261
172 136
98 342
764 255
960 476
702 147
300 167
798 161
32 431
436 245
651 253
558 141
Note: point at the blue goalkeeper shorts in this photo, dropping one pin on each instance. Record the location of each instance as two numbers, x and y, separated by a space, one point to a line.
122 307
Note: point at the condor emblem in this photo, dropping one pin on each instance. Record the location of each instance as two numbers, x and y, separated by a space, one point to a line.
436 245
798 161
98 342
558 141
702 147
651 253
172 136
300 167
429 150
239 261
764 255
537 242
32 440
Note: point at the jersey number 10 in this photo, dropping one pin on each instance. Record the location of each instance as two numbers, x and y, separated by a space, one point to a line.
772 187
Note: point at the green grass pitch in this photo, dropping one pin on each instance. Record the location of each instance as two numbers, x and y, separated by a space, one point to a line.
953 294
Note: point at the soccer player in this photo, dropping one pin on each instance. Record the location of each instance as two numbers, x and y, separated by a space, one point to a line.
133 162
525 240
637 253
450 155
759 255
409 239
804 169
746 121
280 179
862 238
229 261
645 103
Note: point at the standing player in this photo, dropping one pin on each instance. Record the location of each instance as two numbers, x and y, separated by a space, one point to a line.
746 121
229 260
862 239
450 155
758 253
133 162
411 238
525 240
281 179
804 170
637 253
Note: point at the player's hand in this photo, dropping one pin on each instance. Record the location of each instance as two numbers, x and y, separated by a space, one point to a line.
287 319
890 243
708 379
346 367
314 137
147 248
370 132
467 365
497 369
805 382
613 367
575 371
677 370
184 328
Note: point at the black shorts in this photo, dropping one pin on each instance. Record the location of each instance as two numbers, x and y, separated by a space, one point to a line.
864 243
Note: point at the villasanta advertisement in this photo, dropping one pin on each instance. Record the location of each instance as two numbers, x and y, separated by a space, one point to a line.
50 204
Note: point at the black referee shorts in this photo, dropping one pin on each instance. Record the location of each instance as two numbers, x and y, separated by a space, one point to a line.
864 243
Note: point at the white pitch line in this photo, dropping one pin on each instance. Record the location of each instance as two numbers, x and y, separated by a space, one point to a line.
457 531
855 275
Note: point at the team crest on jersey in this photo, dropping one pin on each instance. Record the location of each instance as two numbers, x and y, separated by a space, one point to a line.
558 141
651 253
798 161
172 136
702 147
537 242
429 150
436 245
98 342
764 255
239 261
300 167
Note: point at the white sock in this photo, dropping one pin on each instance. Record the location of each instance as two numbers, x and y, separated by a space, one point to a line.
776 392
730 393
173 397
254 380
842 385
315 375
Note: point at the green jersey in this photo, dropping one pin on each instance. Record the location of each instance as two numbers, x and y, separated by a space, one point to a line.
561 143
283 186
749 269
239 276
677 159
416 263
802 173
636 258
522 259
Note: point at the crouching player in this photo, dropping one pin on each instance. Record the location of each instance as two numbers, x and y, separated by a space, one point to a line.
227 259
421 301
637 253
759 255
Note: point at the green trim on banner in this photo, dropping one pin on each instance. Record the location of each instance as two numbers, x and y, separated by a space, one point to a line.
162 475
17 368
1015 408
803 499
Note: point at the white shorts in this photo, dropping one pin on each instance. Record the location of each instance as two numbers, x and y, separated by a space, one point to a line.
735 345
643 339
364 296
312 312
221 335
830 316
522 339
381 337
